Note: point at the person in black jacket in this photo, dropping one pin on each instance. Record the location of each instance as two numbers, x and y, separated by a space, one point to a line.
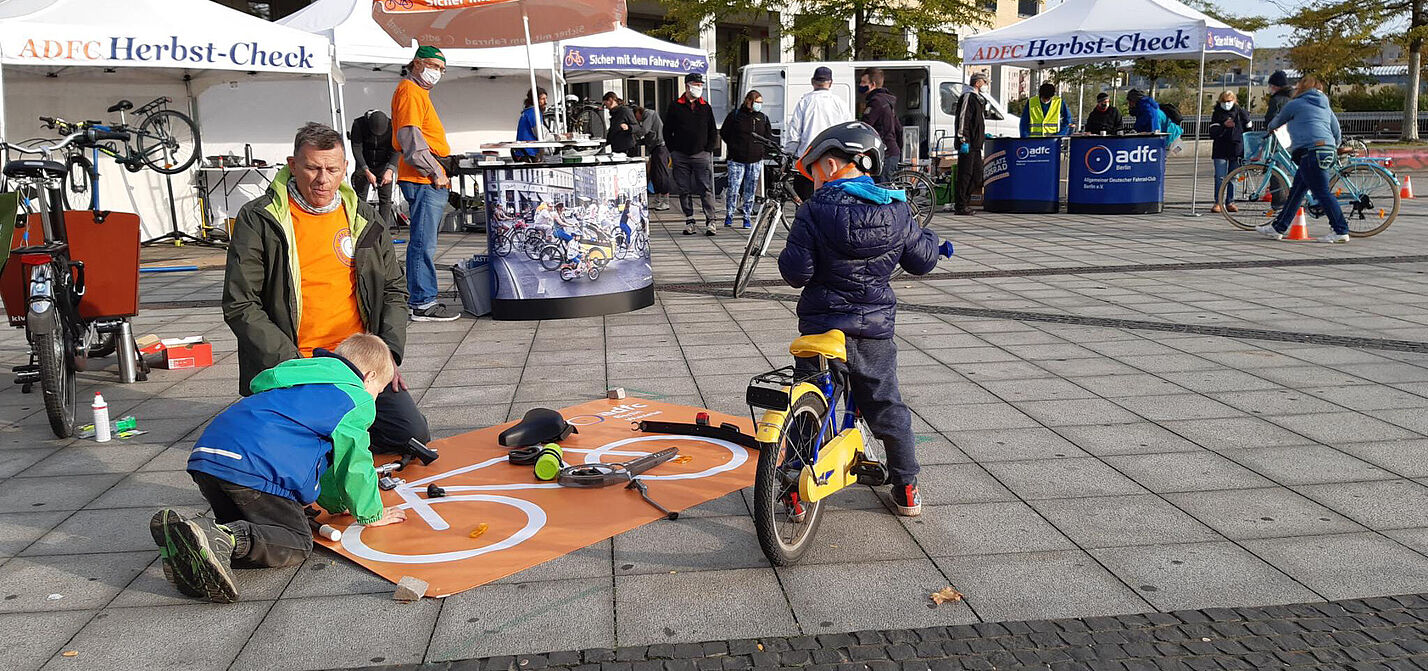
972 127
1227 131
376 161
880 112
746 155
1280 93
1105 118
623 129
693 141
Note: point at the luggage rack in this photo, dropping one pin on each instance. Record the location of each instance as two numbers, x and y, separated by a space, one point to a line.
768 390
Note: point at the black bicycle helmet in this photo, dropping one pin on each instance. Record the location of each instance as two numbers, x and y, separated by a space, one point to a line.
853 138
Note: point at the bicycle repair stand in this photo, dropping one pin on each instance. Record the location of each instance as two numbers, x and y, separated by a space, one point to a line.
175 234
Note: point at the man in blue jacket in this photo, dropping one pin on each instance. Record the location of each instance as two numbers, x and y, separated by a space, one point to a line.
844 245
1315 136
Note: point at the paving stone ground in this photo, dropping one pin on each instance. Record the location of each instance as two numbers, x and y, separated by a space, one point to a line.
1102 437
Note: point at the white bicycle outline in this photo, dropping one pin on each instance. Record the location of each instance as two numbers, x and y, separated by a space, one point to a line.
535 515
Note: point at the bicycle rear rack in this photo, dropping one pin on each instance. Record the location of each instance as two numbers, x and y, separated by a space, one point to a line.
770 390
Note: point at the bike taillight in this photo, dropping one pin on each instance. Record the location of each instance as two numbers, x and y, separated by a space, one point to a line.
35 259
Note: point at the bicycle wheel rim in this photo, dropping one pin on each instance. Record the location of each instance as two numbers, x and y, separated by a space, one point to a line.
168 142
1369 198
784 540
921 197
78 189
1258 191
754 248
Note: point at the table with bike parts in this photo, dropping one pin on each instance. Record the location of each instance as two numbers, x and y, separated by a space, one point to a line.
1022 175
228 180
1116 174
567 239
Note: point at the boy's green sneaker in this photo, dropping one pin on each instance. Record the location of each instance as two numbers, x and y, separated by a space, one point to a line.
183 580
197 555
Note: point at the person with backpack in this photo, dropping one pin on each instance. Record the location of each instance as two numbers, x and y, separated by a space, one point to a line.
741 130
1152 117
658 167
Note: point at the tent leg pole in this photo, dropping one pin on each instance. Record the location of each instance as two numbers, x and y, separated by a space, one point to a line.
530 68
1249 85
2 109
1199 121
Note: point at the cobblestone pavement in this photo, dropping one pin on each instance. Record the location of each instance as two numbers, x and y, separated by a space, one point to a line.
1118 417
1381 634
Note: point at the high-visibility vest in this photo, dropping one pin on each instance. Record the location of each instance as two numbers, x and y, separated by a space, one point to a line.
1045 122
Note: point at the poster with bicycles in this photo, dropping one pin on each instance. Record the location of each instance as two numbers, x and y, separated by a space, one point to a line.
568 231
495 518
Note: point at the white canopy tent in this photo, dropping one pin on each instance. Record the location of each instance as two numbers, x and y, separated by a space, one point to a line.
73 58
627 53
1085 31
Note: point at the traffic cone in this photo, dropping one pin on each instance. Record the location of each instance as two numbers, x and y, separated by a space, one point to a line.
1406 192
1268 197
1299 230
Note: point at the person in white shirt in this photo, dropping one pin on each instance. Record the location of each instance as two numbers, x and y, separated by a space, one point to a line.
817 111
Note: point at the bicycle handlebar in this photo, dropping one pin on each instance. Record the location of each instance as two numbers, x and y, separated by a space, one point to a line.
45 150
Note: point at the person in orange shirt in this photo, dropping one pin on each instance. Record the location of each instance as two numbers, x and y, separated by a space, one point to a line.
422 176
310 265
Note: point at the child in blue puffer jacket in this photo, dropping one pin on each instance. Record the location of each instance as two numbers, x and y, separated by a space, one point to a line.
845 243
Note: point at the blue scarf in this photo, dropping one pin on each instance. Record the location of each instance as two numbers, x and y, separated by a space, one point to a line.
864 188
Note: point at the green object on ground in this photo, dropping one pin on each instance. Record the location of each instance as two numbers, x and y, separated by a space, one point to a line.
548 464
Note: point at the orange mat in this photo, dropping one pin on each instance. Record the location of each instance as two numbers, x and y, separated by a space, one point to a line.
528 521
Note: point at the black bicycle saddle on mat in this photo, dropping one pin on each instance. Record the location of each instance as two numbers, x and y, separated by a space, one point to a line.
539 426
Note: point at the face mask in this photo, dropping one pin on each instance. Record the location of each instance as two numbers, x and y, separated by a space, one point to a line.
1227 106
1102 105
758 107
431 76
696 92
862 89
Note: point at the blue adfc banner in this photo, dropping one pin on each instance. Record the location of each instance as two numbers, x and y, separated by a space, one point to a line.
632 58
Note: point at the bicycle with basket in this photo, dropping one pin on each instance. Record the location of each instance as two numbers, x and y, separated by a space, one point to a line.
68 277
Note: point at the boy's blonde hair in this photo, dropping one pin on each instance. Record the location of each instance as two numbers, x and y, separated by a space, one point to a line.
369 354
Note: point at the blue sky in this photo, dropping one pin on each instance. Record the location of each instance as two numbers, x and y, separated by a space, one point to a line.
1273 36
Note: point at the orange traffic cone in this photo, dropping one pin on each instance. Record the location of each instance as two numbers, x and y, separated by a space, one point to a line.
1406 192
1267 197
1299 230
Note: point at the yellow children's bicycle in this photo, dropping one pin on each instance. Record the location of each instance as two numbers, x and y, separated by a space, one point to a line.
808 449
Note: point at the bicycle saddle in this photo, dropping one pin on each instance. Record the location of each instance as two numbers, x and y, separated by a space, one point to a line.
120 106
832 345
538 426
33 167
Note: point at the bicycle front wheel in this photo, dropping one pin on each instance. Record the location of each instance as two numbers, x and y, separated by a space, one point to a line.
56 380
758 244
1259 192
785 524
78 189
1369 197
921 194
168 142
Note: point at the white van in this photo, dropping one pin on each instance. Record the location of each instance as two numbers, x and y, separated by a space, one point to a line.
927 96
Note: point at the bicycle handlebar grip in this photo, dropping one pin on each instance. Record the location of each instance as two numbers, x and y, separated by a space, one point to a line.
100 135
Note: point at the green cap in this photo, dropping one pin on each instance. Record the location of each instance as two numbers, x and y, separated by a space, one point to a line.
428 51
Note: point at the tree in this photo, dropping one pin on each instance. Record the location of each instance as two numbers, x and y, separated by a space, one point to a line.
1337 36
877 26
1169 71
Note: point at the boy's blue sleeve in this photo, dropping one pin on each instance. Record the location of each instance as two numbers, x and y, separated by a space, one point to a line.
797 260
919 254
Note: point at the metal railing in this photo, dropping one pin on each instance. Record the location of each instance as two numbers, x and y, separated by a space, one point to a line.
1383 125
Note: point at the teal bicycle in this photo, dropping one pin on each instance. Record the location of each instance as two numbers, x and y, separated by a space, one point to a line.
1367 191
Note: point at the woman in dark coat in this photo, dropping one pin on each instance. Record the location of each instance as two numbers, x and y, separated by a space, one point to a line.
746 155
1227 129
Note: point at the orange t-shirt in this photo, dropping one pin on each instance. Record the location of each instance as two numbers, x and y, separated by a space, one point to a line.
411 106
329 279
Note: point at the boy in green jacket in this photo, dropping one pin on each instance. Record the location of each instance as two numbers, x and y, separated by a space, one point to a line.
301 437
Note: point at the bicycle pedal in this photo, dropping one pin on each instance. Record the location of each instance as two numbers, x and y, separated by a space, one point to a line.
869 472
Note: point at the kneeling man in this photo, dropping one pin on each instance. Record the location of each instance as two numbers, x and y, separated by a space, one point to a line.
308 266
